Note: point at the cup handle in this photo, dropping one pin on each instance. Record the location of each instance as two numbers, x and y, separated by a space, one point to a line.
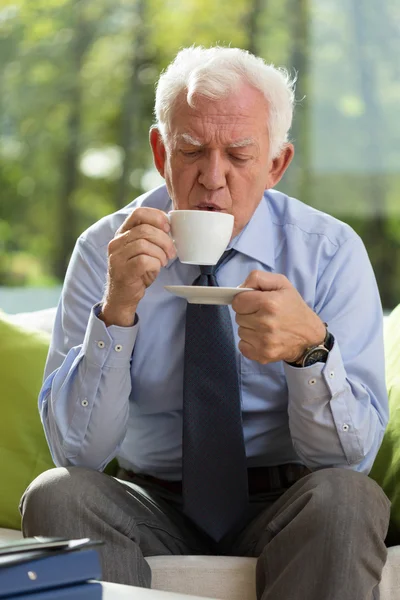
170 230
169 221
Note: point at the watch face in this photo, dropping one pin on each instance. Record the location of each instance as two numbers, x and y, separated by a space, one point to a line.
316 355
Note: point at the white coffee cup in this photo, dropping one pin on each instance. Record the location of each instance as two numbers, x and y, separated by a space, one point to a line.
200 236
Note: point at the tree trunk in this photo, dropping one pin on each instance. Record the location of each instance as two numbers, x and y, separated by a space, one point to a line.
299 174
67 226
253 17
131 106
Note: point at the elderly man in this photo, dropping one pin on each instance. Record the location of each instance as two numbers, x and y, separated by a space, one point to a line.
297 417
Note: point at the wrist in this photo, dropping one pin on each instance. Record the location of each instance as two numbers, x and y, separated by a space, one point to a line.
119 316
316 337
319 335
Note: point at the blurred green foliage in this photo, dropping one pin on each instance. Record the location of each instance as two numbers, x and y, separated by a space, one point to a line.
76 98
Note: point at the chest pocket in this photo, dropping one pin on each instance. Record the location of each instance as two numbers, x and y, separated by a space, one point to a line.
263 386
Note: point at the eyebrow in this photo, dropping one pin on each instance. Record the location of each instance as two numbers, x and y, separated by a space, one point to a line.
190 140
186 137
243 143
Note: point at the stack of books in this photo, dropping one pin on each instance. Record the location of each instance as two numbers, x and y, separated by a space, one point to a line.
50 569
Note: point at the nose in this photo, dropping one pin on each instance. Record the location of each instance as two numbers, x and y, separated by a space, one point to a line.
212 171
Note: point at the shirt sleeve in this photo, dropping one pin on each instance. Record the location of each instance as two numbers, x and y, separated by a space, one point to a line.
338 411
84 401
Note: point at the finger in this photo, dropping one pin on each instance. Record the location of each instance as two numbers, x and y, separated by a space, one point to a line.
261 280
248 350
261 304
145 248
247 303
154 235
145 215
248 335
142 265
145 232
251 321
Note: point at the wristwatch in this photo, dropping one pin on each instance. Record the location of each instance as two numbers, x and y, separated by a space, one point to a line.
318 353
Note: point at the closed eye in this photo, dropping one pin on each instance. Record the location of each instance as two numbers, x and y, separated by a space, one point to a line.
190 153
239 159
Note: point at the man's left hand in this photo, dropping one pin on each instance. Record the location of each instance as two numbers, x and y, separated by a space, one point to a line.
274 321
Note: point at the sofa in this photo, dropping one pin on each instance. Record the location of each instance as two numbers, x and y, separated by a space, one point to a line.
224 578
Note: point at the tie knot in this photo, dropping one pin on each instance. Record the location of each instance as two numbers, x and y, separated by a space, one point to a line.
208 269
207 272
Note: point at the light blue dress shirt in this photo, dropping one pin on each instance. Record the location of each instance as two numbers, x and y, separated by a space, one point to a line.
118 391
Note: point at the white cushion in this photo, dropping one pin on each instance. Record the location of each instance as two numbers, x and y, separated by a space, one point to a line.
9 535
229 578
114 591
38 320
233 578
390 584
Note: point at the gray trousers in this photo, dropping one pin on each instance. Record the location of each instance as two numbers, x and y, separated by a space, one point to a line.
321 539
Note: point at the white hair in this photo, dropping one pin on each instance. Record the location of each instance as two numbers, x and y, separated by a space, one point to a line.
217 71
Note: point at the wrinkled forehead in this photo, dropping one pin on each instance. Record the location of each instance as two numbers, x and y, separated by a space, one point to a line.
238 117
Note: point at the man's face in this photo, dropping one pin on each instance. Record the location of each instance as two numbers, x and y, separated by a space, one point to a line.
217 155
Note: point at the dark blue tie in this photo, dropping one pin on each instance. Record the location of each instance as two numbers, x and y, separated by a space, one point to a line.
215 487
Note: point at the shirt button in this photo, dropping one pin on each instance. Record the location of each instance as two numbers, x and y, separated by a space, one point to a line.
332 374
101 344
118 348
84 402
345 427
312 381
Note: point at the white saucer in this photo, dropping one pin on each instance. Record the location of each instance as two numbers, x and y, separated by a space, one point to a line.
198 294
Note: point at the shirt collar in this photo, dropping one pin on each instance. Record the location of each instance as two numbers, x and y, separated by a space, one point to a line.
256 240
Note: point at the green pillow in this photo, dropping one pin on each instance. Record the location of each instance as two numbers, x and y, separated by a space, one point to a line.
386 468
23 448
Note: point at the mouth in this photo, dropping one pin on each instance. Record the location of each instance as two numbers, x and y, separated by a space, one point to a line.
209 207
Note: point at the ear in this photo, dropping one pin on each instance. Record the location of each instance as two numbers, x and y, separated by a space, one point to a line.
158 148
279 165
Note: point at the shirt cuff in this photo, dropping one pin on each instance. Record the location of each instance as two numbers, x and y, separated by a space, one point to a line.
110 347
310 388
318 380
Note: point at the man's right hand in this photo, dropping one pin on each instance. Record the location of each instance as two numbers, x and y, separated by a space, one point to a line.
140 247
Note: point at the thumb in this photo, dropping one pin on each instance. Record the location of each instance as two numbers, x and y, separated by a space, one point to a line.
268 282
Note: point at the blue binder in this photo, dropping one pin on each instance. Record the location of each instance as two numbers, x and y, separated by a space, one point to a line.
81 591
37 571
